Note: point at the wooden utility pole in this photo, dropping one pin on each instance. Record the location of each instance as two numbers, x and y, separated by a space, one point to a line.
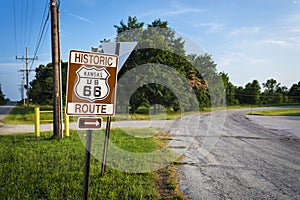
55 71
26 73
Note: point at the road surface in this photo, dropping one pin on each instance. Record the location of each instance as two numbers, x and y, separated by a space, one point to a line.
5 109
248 159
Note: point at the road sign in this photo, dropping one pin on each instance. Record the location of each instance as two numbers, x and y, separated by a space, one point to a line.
89 123
91 83
124 51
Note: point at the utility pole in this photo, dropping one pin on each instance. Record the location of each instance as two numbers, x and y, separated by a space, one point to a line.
55 71
26 73
60 70
22 90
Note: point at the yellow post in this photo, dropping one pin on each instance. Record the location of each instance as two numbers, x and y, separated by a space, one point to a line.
37 121
67 132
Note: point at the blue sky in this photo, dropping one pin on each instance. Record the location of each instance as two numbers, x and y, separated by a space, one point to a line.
248 39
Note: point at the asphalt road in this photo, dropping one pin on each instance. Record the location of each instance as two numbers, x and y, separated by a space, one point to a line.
5 109
247 160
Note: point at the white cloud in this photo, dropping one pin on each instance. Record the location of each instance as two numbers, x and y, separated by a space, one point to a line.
171 12
294 30
10 64
246 30
291 19
282 43
80 18
212 27
183 11
289 25
237 59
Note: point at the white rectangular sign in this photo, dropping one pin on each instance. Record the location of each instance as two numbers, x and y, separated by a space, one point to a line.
90 109
93 59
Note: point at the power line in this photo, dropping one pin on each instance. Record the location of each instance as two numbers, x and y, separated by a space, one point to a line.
15 27
26 20
42 30
27 72
40 38
43 17
30 22
23 21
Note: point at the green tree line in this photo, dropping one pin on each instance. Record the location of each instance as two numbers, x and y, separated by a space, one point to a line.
271 92
158 46
3 100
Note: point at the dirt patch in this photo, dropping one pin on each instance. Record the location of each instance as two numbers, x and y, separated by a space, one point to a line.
167 184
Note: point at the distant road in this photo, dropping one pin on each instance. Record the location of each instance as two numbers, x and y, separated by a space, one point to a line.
5 109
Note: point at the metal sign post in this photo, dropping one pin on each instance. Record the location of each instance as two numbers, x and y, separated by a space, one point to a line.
87 164
107 131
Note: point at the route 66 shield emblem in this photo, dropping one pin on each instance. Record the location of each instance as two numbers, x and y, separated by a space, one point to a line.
92 83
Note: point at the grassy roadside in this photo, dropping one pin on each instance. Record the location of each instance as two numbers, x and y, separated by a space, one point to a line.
25 115
278 112
42 168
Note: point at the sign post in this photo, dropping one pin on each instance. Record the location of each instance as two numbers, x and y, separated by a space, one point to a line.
91 91
87 165
107 131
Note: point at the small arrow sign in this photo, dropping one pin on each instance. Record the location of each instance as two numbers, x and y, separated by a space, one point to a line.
85 123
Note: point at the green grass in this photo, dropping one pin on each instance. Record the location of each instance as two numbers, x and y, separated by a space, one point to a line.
25 115
278 112
168 116
43 168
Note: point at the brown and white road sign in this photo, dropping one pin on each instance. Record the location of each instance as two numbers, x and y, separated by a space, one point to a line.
91 83
89 123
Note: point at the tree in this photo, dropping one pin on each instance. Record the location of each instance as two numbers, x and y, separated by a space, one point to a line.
294 93
253 92
159 46
132 24
274 93
271 86
240 95
230 89
282 94
41 86
3 100
250 94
